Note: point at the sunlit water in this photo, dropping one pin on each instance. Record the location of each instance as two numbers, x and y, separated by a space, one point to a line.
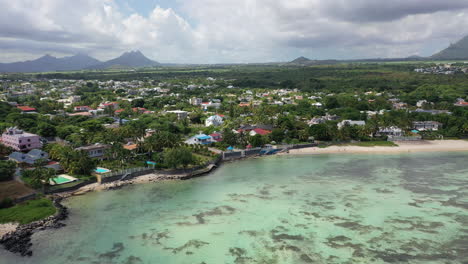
283 209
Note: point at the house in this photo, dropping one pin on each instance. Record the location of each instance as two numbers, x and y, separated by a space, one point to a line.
112 105
217 137
433 112
461 102
97 150
421 103
317 104
343 123
215 120
195 101
206 105
249 128
20 140
259 131
427 125
30 158
83 108
400 106
200 139
390 131
26 109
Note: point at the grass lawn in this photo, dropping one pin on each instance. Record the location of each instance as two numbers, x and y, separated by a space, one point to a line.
375 144
28 211
13 189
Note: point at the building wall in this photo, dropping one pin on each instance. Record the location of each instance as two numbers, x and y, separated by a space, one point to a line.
22 143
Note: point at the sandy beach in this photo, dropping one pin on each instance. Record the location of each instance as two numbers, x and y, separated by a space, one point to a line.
106 186
7 228
403 147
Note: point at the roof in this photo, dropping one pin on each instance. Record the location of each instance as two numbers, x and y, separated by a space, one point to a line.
202 137
92 147
261 131
26 108
29 158
130 147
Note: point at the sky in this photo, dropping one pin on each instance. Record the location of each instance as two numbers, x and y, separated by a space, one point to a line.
230 31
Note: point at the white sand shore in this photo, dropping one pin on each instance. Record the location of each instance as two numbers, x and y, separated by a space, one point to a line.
105 186
7 228
418 146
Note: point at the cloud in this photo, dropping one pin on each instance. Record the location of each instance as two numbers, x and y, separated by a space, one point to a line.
211 31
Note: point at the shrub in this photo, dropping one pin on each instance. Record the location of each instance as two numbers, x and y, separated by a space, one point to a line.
6 203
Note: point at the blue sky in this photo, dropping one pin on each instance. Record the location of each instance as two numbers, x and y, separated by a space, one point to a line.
230 31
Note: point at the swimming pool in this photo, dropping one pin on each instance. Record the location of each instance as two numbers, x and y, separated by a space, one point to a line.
101 170
62 179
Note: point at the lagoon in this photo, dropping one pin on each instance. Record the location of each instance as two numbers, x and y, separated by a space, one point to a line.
399 208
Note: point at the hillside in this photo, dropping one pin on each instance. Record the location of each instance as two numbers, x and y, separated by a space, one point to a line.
50 63
132 59
455 51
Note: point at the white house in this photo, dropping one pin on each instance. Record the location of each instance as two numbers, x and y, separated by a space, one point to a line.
214 120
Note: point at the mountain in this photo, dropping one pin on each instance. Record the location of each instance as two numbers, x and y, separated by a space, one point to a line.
301 61
49 63
455 51
132 59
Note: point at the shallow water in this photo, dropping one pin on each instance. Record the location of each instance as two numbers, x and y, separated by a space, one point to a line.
409 208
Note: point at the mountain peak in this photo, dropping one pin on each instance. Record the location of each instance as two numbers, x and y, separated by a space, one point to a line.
130 59
458 50
301 60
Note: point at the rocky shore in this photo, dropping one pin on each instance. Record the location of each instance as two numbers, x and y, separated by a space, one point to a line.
19 241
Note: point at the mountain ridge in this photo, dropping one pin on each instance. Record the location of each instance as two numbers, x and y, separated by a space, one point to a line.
456 51
131 59
80 61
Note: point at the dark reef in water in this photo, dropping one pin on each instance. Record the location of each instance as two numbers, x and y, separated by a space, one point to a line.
19 241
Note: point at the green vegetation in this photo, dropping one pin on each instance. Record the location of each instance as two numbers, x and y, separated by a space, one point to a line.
28 211
7 170
374 144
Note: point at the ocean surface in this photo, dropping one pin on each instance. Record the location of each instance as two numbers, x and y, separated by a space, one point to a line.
401 208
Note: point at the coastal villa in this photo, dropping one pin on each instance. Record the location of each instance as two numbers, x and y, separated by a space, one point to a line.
217 137
259 131
322 119
200 139
344 123
20 140
29 158
215 120
97 150
427 125
390 131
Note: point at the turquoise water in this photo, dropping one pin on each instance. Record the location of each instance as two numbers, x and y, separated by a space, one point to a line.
61 180
279 209
101 170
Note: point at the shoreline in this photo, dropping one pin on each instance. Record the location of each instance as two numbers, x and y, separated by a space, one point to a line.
16 238
403 147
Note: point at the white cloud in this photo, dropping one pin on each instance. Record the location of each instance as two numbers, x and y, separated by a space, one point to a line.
231 30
